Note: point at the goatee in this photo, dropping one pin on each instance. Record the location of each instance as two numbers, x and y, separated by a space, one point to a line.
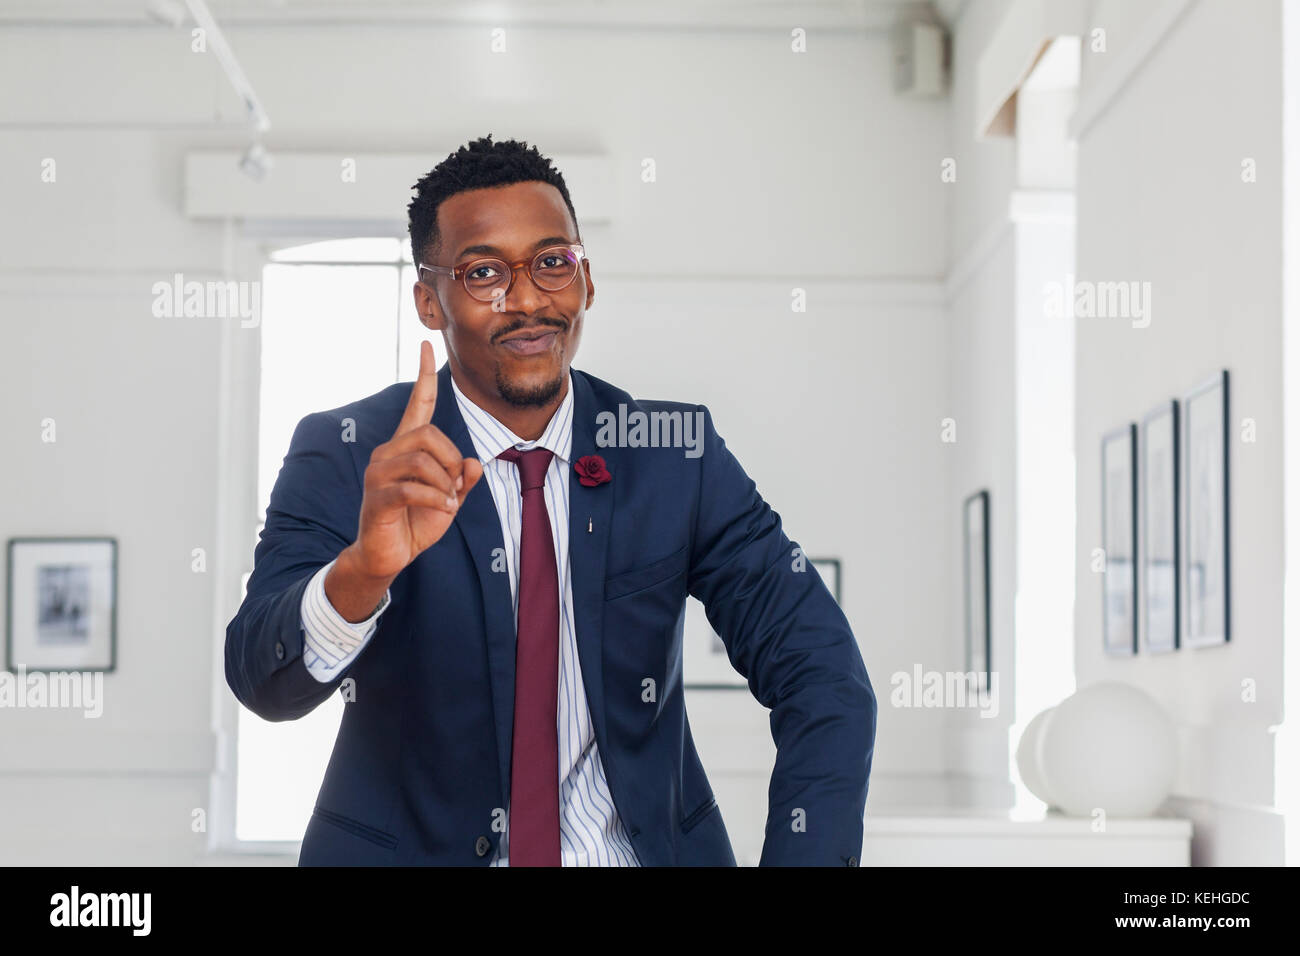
530 396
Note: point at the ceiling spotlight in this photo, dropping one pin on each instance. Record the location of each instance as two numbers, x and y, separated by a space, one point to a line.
256 162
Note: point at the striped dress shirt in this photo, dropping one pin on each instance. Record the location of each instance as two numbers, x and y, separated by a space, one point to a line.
591 833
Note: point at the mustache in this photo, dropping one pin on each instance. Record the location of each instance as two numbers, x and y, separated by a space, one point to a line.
555 324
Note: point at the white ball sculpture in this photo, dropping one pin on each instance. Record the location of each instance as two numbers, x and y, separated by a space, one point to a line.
1027 757
1109 746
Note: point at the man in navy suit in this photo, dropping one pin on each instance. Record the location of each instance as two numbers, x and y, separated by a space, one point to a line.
521 636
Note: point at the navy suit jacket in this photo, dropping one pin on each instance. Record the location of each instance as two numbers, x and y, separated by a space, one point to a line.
421 763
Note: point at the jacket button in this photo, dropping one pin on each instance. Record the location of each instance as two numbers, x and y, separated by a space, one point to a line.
853 861
279 650
482 845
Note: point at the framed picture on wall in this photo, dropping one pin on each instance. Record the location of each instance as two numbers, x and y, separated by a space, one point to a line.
1119 539
1158 478
976 587
62 601
1206 617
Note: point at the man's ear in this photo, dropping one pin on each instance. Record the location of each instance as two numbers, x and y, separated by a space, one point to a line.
428 308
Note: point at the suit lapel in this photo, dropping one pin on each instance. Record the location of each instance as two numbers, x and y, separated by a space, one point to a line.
588 551
480 526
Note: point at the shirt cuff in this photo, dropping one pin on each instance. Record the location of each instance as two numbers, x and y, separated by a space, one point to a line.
330 641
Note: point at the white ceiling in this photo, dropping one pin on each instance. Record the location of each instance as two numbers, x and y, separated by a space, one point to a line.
717 14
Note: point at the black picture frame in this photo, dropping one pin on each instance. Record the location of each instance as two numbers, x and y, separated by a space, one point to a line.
1205 566
1159 537
1119 530
977 587
72 573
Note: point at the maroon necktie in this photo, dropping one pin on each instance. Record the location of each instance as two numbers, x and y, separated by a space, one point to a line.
535 753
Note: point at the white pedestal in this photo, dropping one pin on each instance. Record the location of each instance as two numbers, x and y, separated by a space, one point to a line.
983 838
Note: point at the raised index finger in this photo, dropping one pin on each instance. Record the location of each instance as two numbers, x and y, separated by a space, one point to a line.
424 394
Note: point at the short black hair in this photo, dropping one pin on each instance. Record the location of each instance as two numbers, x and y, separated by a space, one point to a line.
476 165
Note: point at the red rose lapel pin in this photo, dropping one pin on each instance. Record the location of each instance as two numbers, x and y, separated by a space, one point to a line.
591 470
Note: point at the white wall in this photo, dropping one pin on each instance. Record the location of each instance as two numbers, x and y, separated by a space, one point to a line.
981 397
1161 200
1182 93
774 172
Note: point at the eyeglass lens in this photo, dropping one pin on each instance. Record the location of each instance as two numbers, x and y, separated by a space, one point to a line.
552 270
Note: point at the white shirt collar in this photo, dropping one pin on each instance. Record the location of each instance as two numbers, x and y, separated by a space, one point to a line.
491 437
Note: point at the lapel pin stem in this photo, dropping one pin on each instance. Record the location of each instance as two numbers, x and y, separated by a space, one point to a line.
588 524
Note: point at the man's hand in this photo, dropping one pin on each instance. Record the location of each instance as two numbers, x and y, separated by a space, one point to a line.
412 489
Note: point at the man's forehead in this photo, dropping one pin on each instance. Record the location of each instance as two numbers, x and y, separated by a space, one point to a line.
503 214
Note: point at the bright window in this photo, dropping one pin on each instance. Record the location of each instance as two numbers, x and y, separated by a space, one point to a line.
338 324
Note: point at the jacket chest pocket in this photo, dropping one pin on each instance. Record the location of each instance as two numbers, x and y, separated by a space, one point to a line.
649 576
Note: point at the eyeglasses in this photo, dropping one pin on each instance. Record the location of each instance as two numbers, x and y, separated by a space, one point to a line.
552 270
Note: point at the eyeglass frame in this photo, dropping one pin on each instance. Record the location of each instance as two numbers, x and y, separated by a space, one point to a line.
459 272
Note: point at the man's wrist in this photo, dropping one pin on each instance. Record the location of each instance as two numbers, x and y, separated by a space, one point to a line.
354 594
